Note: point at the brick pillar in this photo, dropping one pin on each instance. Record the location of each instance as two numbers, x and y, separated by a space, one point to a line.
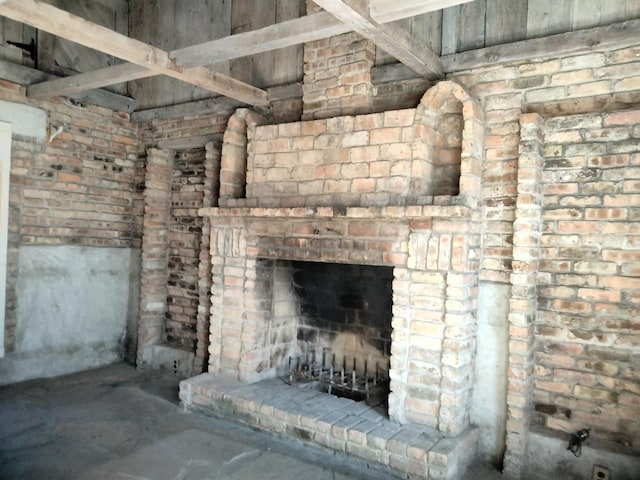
523 302
210 199
155 249
434 326
231 272
458 357
337 75
260 276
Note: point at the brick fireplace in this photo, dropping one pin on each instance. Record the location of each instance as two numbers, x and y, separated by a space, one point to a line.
396 190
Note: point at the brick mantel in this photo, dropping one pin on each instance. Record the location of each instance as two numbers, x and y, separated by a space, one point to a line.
410 212
391 235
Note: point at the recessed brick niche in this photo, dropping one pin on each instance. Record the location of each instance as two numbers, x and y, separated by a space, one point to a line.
397 189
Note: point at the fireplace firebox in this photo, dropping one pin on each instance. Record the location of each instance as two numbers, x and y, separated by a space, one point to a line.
343 327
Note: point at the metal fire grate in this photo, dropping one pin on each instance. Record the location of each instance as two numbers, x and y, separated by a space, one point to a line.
370 385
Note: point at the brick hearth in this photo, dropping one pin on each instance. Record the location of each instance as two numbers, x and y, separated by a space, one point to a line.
339 424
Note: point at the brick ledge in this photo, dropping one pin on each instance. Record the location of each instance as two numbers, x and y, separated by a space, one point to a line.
409 211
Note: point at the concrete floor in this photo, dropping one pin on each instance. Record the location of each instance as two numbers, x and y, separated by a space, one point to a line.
118 423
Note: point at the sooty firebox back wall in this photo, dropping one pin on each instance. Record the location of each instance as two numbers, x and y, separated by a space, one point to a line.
339 301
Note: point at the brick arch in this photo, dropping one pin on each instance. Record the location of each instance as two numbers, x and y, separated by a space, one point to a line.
233 163
451 122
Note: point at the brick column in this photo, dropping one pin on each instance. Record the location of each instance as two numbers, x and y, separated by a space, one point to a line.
434 326
210 199
457 260
155 248
231 272
337 75
523 303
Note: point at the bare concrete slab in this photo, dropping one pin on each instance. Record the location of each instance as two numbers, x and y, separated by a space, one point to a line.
116 423
189 454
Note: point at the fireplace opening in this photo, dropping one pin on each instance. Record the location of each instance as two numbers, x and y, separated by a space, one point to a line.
342 328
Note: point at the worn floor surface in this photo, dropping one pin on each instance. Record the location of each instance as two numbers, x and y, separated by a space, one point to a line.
116 423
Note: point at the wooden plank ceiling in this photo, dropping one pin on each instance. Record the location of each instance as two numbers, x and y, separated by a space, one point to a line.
370 18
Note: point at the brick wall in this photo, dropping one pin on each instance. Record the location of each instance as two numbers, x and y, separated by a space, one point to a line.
604 81
589 286
82 188
185 229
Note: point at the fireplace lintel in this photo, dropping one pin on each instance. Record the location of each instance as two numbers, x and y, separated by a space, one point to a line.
349 213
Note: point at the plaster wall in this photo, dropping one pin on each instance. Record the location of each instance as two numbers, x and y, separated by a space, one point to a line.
73 310
488 408
547 457
26 121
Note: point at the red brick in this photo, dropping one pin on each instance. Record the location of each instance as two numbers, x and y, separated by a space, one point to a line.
363 185
327 171
606 213
622 118
384 135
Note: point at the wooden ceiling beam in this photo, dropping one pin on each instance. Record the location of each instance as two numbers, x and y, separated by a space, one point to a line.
76 29
384 11
123 72
393 39
279 35
23 75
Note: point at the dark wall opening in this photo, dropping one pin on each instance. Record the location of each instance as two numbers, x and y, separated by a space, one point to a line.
345 310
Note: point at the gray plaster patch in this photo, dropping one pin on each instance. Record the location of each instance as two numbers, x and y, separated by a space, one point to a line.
26 122
489 403
72 310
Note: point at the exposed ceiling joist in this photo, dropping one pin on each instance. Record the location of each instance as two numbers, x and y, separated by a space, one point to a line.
284 34
279 35
123 72
391 38
146 61
23 75
390 10
608 37
76 29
